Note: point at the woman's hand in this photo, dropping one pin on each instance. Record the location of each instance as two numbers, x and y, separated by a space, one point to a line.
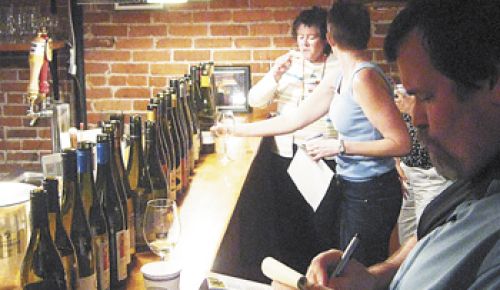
281 65
220 129
323 147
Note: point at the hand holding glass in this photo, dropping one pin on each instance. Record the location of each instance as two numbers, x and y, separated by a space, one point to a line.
225 121
162 227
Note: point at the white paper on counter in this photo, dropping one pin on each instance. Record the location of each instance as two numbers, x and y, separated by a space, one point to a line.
312 178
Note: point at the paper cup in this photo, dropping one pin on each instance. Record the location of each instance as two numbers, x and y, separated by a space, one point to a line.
161 275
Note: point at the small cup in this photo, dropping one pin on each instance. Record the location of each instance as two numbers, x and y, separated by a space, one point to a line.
161 275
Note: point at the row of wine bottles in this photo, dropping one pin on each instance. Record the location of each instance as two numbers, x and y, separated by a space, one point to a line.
89 240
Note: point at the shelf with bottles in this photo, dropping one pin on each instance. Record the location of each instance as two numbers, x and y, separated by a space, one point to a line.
25 47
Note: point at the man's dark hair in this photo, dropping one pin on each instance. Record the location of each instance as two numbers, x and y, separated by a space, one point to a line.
462 38
349 25
314 17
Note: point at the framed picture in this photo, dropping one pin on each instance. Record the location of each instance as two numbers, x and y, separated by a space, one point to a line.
232 84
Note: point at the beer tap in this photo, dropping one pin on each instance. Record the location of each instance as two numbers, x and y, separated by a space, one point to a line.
38 88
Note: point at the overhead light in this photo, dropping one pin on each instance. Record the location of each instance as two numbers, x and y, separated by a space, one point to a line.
167 1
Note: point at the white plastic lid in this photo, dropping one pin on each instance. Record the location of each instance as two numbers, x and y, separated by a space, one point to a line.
161 270
14 193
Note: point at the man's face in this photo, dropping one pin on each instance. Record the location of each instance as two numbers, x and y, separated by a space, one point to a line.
458 134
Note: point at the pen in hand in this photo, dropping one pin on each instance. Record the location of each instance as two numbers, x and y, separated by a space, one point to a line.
346 256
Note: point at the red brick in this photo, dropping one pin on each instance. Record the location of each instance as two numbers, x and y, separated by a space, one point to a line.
8 75
230 4
21 133
260 68
286 15
40 122
385 13
129 68
191 55
381 28
376 42
238 55
140 81
190 6
94 118
134 43
252 15
288 42
131 17
140 105
149 30
33 156
187 30
212 42
211 16
270 29
95 81
306 4
107 55
117 81
97 17
44 133
159 81
109 30
15 110
10 144
172 17
13 98
23 74
99 43
132 93
252 42
268 54
169 68
271 3
19 86
226 30
112 105
11 121
37 145
96 68
99 93
151 55
174 43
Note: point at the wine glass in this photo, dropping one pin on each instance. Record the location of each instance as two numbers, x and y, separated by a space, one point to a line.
161 228
225 120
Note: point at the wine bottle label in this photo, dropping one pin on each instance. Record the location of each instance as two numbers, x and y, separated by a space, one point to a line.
204 81
207 137
127 246
173 181
86 283
68 262
102 262
178 177
131 223
121 253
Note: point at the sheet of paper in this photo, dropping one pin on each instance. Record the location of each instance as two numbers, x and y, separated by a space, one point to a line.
312 178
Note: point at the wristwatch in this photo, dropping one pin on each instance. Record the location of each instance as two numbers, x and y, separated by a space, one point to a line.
341 147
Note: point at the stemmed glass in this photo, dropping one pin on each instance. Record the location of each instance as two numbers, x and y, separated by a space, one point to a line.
162 227
225 120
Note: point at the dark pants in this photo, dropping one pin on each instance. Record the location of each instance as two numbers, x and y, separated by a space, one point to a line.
370 209
301 233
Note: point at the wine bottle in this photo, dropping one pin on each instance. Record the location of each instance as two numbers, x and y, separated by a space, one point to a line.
207 111
180 87
80 230
173 150
97 222
154 116
178 117
41 267
127 197
58 233
140 179
178 141
70 187
193 120
107 186
158 180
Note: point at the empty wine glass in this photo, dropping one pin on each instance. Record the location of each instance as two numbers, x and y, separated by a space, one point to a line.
162 228
225 120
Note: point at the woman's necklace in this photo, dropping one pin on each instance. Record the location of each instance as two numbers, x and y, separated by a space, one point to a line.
312 81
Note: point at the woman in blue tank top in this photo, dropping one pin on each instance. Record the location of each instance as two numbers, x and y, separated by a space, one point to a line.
371 133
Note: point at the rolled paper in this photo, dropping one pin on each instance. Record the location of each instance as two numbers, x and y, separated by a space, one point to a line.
277 271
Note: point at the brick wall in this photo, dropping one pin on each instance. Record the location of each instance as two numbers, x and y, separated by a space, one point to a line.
130 55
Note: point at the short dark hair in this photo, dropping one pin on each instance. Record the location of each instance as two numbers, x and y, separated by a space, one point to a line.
349 25
314 17
460 36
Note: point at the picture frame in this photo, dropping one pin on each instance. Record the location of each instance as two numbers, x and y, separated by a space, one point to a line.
232 84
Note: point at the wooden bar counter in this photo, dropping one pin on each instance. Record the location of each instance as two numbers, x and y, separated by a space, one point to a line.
205 213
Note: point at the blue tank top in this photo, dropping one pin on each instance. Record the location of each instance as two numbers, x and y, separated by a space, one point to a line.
353 125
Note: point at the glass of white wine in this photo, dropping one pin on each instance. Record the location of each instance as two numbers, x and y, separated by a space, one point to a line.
162 227
225 120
